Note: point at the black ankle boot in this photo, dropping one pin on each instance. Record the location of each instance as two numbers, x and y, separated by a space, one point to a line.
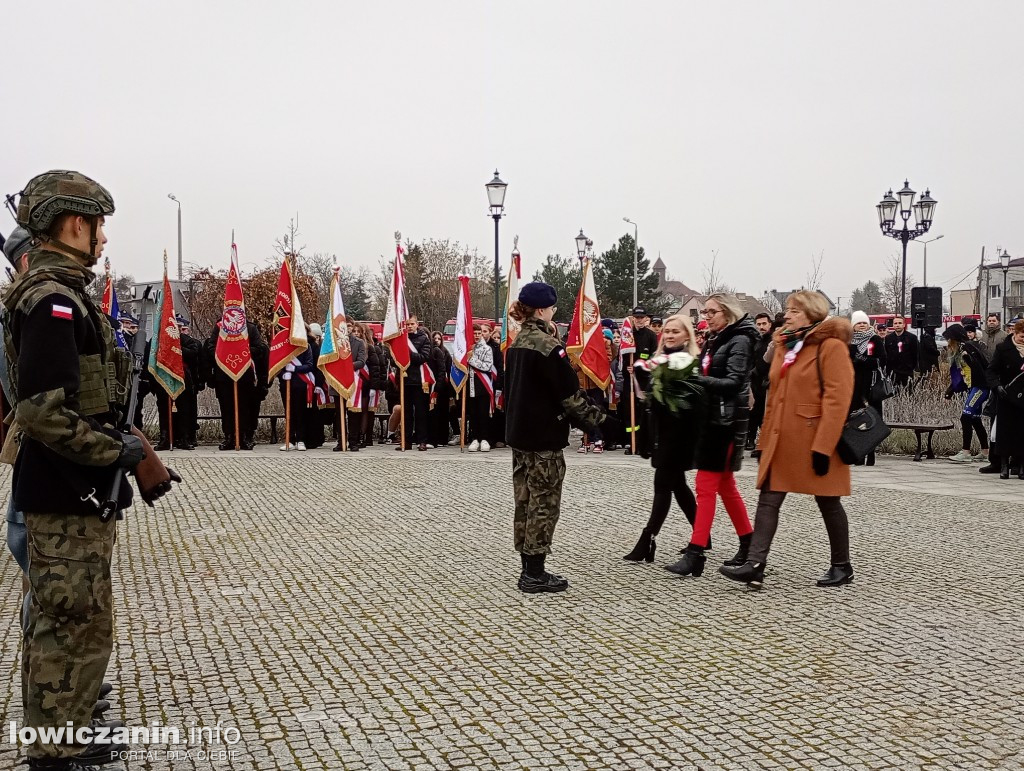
535 579
691 564
837 575
1004 472
741 555
644 549
749 573
163 443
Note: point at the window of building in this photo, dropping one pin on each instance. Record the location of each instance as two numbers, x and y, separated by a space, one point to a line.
995 292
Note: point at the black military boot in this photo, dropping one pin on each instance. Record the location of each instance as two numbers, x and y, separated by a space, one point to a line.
105 689
97 754
741 555
163 443
994 463
535 579
227 444
837 575
101 706
691 564
749 573
61 764
1004 471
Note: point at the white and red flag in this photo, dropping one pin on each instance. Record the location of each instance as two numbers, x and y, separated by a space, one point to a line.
586 340
462 342
509 326
289 336
397 315
232 352
627 344
335 351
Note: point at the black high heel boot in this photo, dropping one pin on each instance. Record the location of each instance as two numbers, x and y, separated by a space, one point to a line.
741 555
644 549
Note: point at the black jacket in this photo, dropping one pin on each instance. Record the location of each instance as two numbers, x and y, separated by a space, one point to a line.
928 353
864 368
192 357
972 356
759 375
377 365
419 354
255 377
901 361
727 381
671 439
542 393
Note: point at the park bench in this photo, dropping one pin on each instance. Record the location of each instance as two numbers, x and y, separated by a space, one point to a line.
920 430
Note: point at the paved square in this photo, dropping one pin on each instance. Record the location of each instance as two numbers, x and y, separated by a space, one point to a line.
360 611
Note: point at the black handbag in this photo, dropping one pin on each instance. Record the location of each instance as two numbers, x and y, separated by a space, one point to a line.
1013 392
864 429
881 387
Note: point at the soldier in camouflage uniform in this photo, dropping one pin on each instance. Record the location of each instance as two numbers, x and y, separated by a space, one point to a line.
542 399
67 381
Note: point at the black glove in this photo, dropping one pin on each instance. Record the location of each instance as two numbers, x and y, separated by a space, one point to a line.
132 453
161 489
820 463
611 426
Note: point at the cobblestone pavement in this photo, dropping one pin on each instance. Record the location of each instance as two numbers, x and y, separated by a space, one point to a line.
360 611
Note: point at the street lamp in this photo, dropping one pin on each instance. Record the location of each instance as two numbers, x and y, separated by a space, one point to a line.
636 236
581 246
925 279
923 212
171 196
1004 263
496 200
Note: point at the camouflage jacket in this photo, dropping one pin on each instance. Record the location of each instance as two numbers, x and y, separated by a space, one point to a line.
65 375
542 393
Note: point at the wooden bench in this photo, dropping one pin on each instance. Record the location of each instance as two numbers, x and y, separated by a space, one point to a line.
920 430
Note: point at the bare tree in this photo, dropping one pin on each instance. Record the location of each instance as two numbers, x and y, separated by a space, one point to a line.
770 300
287 243
814 278
892 284
713 281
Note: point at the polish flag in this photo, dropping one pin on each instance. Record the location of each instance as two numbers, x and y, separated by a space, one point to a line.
462 344
397 314
627 343
586 340
509 326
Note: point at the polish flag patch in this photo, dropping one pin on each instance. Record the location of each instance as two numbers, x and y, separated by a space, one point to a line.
62 312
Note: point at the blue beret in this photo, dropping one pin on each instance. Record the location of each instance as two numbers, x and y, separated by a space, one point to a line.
181 320
537 294
608 333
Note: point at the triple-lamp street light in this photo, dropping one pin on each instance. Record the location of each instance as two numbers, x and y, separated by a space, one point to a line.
923 211
496 200
1004 263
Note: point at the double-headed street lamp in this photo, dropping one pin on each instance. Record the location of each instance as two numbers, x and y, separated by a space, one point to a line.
496 200
636 237
171 196
1004 263
923 211
924 280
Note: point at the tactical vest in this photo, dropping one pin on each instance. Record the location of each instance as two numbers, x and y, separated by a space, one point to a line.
104 377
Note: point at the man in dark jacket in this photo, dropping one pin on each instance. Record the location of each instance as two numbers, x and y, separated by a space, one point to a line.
759 377
928 352
186 406
417 401
252 388
901 353
646 343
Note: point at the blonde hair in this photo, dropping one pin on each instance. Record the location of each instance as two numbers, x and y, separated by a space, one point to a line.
813 304
687 325
730 306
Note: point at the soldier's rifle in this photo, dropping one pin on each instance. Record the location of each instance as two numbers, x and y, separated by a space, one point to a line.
138 351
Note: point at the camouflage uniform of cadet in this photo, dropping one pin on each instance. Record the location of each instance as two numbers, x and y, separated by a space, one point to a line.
542 399
66 376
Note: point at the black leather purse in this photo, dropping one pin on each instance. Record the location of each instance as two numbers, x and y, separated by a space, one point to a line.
864 429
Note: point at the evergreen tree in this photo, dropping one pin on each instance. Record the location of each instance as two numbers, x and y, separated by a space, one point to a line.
613 277
563 273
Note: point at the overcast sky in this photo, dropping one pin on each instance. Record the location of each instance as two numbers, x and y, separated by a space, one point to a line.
766 131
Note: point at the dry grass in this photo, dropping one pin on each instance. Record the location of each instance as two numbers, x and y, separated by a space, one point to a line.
926 405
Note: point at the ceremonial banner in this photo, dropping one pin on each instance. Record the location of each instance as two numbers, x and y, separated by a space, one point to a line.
289 336
165 361
586 340
397 314
115 313
509 326
627 343
462 344
335 351
232 353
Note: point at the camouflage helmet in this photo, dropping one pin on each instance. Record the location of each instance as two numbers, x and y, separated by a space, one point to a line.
57 192
16 244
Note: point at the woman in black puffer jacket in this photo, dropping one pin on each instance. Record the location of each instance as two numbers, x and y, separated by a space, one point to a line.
725 364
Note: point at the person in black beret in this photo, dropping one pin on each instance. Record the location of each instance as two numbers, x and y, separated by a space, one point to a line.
542 399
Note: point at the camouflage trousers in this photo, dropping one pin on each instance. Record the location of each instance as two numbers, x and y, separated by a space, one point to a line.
71 624
537 483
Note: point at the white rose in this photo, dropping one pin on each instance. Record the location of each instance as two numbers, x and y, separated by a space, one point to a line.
679 360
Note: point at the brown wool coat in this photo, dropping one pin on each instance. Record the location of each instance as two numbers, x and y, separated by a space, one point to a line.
800 420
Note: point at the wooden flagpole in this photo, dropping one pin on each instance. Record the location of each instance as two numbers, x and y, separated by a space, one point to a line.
170 421
344 431
632 406
401 401
462 423
288 413
238 428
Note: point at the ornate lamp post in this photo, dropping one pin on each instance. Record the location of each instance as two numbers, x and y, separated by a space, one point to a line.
496 200
581 246
923 211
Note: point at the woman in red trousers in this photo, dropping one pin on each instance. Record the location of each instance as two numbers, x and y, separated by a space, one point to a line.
725 364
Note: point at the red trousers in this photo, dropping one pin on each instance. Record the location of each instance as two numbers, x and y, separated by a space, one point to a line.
710 485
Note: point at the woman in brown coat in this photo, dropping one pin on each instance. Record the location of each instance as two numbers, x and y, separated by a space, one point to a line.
808 402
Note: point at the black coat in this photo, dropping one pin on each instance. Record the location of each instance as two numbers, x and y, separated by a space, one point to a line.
901 362
377 365
864 368
671 439
1007 364
727 382
420 354
759 374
